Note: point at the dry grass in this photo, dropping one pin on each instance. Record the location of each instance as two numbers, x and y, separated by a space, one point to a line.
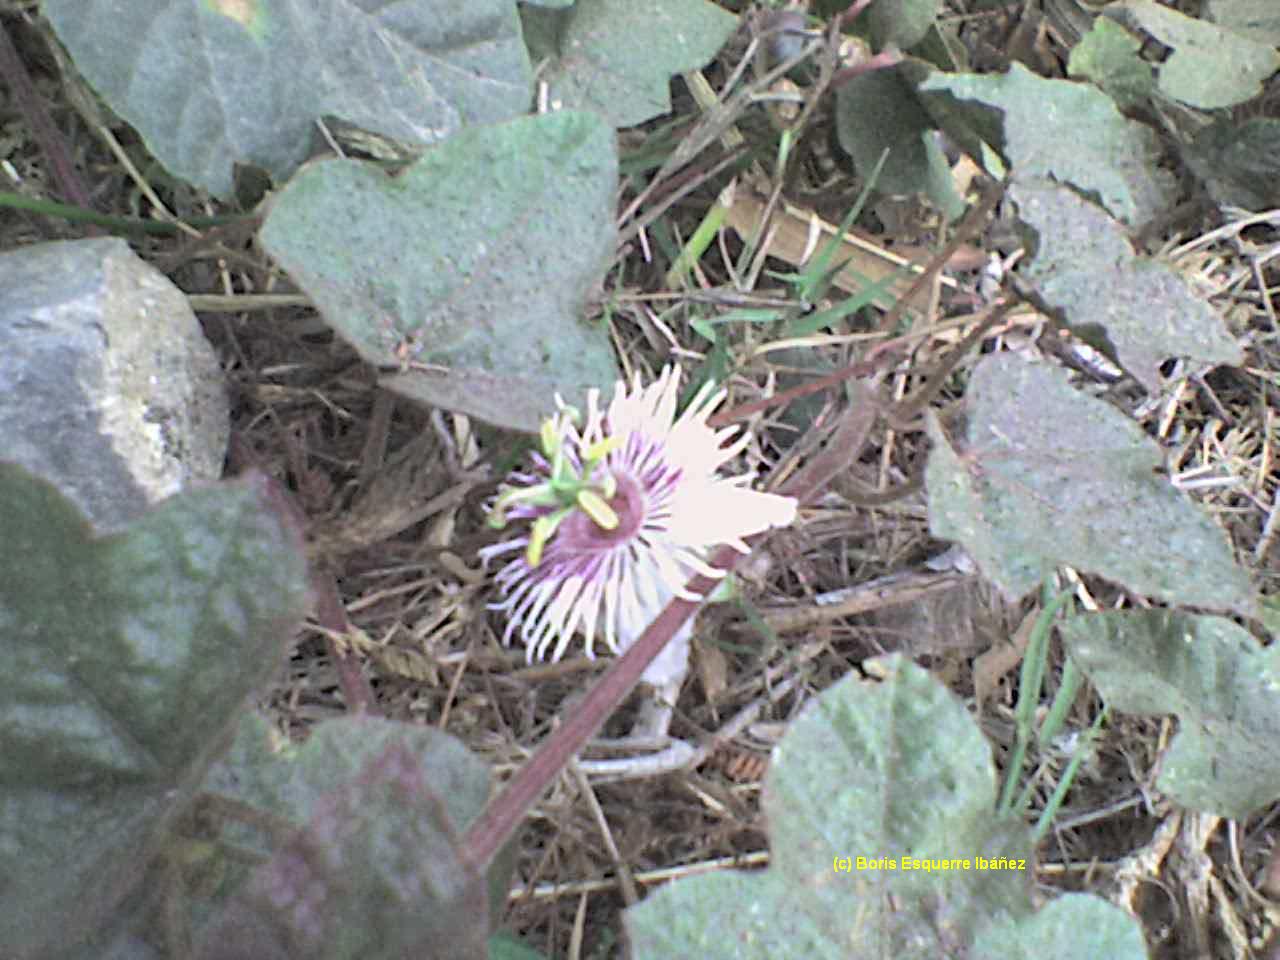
393 495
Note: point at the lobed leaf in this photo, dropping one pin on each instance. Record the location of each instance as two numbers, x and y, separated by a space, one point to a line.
1083 264
1210 67
1256 19
1048 475
469 271
894 771
1215 677
1071 132
1069 927
617 57
213 83
1239 162
1108 55
127 656
364 861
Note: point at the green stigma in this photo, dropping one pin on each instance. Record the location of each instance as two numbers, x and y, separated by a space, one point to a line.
566 489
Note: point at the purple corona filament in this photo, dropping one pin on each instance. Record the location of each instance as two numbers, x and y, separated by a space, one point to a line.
616 516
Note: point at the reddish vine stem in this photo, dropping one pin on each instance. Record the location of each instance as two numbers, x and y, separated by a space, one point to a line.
52 143
332 615
329 610
503 816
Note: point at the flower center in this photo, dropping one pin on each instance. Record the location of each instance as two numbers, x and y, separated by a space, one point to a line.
572 489
581 531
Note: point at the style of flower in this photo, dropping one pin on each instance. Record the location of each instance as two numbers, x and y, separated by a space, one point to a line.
622 510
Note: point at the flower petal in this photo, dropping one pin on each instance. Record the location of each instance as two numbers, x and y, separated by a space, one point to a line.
721 512
660 480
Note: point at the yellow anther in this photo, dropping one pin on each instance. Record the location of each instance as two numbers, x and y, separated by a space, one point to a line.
550 435
543 527
601 449
597 509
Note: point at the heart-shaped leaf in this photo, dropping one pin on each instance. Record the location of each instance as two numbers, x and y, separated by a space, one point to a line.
371 866
902 23
879 111
1223 687
1084 264
125 657
617 57
883 843
213 83
1048 475
470 270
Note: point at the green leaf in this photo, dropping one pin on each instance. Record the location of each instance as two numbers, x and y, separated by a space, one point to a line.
471 269
289 779
891 772
1073 133
503 946
373 869
1216 678
973 127
213 83
1239 162
879 111
1073 926
1049 475
126 657
902 23
1259 20
1108 55
1210 67
1083 264
616 57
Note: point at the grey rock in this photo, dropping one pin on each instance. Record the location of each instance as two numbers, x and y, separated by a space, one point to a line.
108 387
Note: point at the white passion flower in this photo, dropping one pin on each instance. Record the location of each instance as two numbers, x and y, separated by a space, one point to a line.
622 511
